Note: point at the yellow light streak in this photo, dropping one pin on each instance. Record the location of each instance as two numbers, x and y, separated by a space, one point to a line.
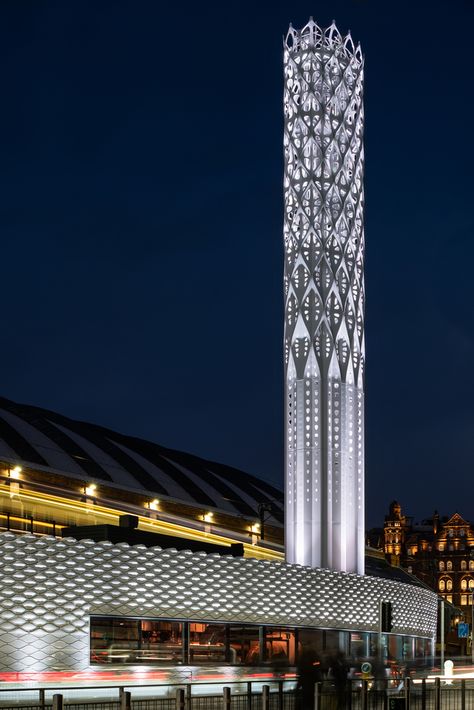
111 516
28 520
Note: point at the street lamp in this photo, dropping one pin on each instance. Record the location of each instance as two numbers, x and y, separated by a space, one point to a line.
15 472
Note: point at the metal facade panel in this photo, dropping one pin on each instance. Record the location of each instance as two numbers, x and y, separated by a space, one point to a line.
50 587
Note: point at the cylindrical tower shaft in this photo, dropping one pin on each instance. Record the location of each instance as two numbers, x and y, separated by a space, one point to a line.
324 299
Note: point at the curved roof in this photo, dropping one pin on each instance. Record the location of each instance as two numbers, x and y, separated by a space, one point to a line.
50 441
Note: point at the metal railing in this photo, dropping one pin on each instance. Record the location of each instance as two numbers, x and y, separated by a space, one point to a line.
281 694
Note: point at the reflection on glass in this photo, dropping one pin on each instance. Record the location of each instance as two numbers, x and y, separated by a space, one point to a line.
279 645
121 640
359 645
311 640
244 645
153 641
207 643
333 640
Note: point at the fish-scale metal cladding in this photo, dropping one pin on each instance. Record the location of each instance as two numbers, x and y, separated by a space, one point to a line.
49 588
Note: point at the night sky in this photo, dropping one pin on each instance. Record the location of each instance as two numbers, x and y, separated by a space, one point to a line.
141 229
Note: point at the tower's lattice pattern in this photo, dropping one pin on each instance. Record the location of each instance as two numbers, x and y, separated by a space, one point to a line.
324 299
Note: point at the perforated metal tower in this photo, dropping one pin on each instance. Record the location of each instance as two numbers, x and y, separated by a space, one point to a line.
324 299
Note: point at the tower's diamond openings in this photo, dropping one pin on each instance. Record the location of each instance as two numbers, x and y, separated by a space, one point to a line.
324 299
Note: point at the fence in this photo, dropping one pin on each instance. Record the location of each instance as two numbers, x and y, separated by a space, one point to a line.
409 694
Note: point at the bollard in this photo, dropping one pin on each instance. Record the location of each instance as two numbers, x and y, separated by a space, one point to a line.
463 694
125 700
349 695
437 703
317 696
280 695
249 695
179 698
226 698
423 694
265 697
448 672
407 693
58 702
363 700
41 698
188 701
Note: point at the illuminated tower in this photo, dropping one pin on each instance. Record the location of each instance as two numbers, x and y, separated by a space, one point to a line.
324 299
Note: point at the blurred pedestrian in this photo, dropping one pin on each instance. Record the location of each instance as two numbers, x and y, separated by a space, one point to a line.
379 672
309 673
339 669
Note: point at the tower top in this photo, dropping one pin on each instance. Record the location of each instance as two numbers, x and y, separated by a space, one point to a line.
312 35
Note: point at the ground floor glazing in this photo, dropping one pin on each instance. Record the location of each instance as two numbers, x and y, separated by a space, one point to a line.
169 641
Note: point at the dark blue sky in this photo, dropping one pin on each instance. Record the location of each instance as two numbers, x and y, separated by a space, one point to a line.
141 215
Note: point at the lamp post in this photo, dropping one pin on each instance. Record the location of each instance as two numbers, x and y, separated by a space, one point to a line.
265 509
442 637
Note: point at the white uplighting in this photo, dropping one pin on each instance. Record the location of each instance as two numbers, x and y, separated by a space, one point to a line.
324 299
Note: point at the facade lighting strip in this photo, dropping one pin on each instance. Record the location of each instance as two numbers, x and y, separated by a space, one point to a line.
111 516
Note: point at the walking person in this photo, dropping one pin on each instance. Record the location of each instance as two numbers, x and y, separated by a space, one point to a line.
309 673
339 669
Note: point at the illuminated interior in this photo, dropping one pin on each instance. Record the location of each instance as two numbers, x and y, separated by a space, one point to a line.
167 641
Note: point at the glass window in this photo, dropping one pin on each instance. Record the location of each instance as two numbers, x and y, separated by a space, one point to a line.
463 564
441 566
449 598
114 640
161 642
333 641
408 647
471 584
393 647
280 645
207 643
471 564
122 640
421 648
463 584
441 585
244 643
449 565
359 645
310 640
463 599
449 585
